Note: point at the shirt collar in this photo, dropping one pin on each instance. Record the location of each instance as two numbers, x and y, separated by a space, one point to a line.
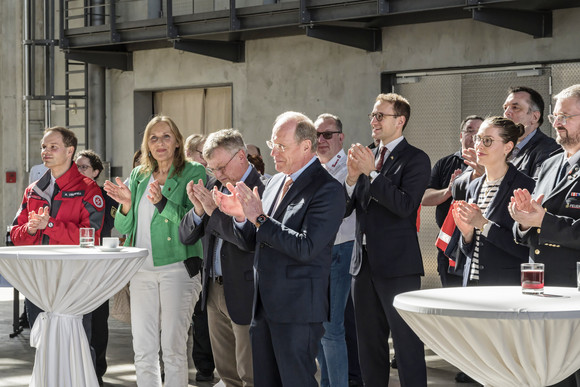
335 162
527 139
390 146
294 176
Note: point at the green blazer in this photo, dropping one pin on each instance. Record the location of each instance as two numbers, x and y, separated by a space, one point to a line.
165 242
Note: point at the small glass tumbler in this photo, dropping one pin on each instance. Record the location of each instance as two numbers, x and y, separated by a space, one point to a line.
87 237
532 278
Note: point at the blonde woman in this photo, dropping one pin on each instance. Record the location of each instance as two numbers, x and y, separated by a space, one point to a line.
162 292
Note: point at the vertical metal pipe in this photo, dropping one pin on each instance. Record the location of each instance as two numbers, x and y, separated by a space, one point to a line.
96 98
27 89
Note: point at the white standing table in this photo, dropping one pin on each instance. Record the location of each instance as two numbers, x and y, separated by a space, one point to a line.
497 335
66 282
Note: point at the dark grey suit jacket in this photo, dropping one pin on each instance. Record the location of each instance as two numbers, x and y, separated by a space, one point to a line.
557 242
236 257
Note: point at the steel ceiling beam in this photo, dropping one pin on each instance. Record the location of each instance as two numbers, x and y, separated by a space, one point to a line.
363 38
537 24
111 59
231 51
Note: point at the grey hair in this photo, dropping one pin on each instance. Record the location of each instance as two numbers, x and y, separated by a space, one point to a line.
228 139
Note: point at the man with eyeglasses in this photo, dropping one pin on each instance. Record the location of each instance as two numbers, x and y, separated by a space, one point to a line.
525 106
227 280
293 230
548 220
386 187
438 191
333 355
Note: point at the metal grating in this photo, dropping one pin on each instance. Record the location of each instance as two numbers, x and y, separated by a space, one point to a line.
485 93
433 127
563 76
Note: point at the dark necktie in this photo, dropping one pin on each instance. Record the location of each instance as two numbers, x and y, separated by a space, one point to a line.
379 164
562 172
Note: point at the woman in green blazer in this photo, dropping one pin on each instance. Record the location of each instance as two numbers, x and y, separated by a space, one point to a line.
162 293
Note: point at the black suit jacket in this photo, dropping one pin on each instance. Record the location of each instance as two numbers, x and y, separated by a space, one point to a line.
557 242
386 211
294 246
236 257
499 256
534 153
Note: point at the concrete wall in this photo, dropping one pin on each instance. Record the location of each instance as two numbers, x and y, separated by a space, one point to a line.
292 73
11 111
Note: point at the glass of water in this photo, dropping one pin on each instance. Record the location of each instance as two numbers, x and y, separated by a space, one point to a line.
87 237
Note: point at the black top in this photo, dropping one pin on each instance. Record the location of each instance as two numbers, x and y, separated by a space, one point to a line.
440 177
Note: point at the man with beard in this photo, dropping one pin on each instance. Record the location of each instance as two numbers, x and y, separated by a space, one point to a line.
548 221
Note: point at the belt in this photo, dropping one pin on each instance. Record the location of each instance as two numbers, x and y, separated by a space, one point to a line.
219 280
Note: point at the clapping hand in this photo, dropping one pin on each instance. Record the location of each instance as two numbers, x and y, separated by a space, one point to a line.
525 210
120 193
38 220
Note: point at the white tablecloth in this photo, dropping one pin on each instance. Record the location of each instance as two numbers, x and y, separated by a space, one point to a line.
497 335
66 282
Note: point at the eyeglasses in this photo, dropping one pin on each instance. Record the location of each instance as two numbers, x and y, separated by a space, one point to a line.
486 141
281 148
83 167
221 169
326 135
379 116
560 117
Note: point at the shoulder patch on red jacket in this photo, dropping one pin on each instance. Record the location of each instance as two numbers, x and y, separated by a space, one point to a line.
98 201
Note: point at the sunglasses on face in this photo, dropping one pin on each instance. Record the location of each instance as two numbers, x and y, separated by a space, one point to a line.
326 135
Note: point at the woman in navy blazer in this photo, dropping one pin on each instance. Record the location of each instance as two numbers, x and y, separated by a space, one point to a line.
493 257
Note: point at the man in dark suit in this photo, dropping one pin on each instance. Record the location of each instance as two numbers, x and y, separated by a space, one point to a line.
549 223
385 187
227 269
293 230
525 106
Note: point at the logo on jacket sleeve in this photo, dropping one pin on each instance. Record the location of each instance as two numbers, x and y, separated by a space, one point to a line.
98 201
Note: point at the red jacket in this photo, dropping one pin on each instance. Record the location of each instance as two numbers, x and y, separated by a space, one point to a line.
79 203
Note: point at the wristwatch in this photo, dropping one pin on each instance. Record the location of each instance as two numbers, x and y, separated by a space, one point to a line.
261 219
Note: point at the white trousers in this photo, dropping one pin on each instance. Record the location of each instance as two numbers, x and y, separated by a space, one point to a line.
162 304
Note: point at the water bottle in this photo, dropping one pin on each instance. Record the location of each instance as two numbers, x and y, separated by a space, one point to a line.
8 239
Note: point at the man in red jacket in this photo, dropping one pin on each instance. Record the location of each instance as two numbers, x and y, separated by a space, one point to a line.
59 203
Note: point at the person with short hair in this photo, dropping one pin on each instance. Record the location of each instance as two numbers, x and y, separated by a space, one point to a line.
194 148
292 230
385 187
547 220
438 192
58 204
228 285
333 355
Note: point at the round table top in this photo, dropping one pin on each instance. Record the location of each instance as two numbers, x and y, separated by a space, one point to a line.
496 302
64 252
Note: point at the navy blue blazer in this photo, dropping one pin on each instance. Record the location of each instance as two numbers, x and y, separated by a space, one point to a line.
534 153
294 246
386 211
557 242
499 255
236 257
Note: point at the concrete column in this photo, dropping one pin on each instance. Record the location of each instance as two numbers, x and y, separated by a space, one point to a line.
96 92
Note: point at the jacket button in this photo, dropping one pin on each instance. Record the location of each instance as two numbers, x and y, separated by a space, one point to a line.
537 251
166 220
168 238
539 230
